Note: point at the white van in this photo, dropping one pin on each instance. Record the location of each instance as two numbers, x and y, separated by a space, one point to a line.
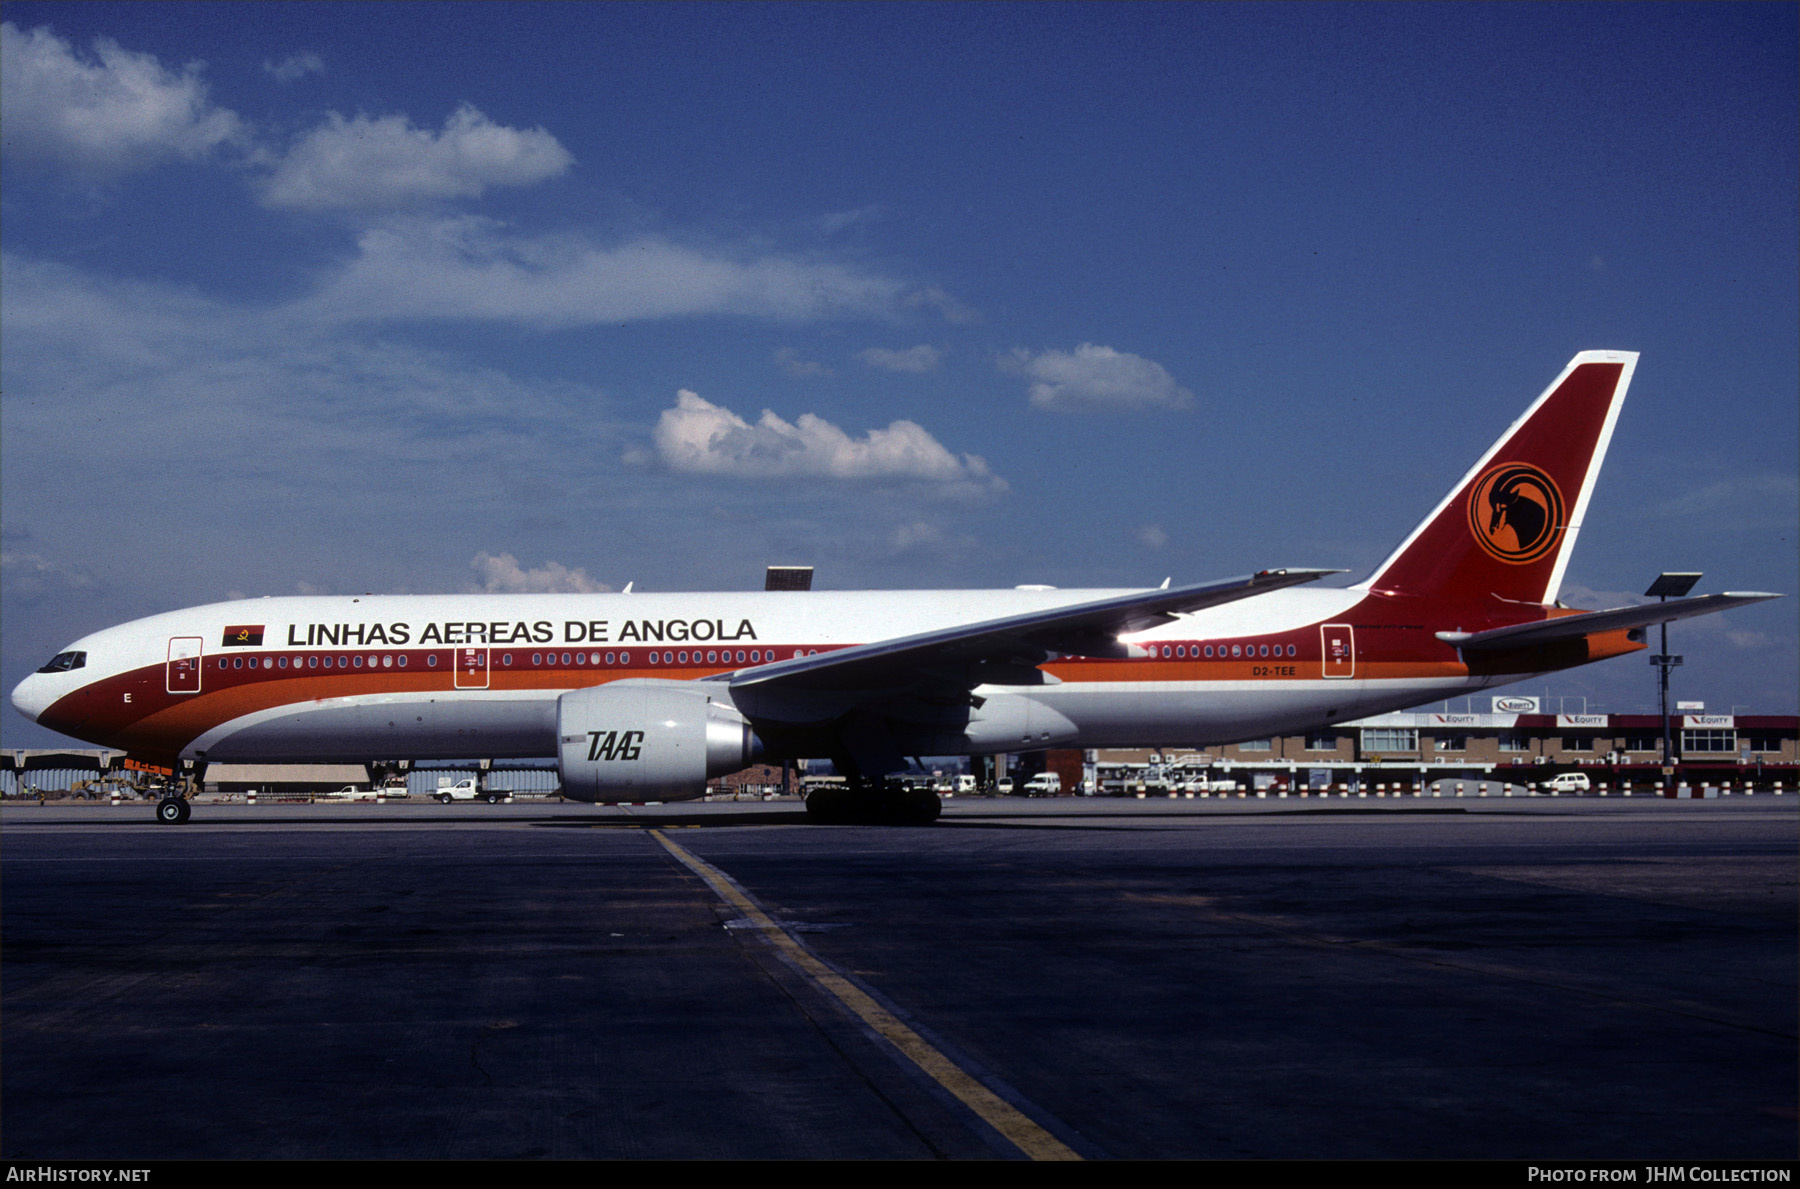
1568 782
1044 784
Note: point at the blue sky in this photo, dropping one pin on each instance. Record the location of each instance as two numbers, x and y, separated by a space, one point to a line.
334 298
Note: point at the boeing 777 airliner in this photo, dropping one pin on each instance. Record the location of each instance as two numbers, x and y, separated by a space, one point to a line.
646 696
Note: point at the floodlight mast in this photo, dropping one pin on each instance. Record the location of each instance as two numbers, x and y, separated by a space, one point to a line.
1668 585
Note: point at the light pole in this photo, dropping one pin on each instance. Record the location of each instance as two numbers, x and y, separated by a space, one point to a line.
1668 586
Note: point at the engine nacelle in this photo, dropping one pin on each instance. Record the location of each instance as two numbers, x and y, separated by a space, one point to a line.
644 739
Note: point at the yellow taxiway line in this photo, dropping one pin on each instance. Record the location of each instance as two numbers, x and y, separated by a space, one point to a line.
995 1111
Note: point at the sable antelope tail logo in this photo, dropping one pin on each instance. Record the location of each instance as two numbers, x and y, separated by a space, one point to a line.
1516 513
1507 528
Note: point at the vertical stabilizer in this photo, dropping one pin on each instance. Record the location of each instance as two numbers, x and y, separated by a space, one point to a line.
1507 528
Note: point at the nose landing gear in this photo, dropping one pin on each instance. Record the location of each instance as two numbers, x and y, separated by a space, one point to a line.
172 810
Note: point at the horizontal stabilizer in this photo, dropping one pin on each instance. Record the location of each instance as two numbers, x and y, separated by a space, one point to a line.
1569 627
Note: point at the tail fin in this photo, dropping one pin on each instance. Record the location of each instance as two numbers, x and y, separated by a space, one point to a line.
1509 526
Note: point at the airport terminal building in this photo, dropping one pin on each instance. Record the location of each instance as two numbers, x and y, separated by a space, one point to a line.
1516 747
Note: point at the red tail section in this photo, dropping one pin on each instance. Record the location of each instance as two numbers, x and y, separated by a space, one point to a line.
1507 529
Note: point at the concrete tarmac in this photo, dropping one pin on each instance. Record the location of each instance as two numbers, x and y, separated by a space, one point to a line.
1552 979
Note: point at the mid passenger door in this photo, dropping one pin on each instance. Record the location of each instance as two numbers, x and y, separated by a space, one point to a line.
182 675
471 668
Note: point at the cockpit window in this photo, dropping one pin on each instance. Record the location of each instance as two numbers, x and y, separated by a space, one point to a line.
62 662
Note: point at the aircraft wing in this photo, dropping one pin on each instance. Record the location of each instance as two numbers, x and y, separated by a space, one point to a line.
1009 649
1569 627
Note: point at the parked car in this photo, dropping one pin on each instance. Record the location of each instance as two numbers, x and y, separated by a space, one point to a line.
1568 782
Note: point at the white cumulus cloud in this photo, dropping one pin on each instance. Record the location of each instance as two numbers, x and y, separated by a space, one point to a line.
111 113
949 308
503 573
700 437
295 66
472 267
923 537
795 364
922 358
386 162
1096 379
33 576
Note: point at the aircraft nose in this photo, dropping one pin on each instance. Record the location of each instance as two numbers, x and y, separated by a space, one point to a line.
30 697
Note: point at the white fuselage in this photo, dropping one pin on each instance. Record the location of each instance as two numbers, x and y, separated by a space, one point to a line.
387 677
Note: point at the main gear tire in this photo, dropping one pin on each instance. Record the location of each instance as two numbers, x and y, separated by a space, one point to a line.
831 807
889 805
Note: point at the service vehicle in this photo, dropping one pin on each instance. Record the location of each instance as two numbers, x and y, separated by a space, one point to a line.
466 789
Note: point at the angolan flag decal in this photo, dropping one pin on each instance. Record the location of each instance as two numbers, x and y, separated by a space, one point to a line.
242 636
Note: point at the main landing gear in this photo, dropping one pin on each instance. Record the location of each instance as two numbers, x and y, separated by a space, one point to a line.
882 803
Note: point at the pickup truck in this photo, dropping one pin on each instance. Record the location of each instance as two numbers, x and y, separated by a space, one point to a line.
466 790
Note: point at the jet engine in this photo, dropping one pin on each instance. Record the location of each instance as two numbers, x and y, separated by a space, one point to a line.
643 739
